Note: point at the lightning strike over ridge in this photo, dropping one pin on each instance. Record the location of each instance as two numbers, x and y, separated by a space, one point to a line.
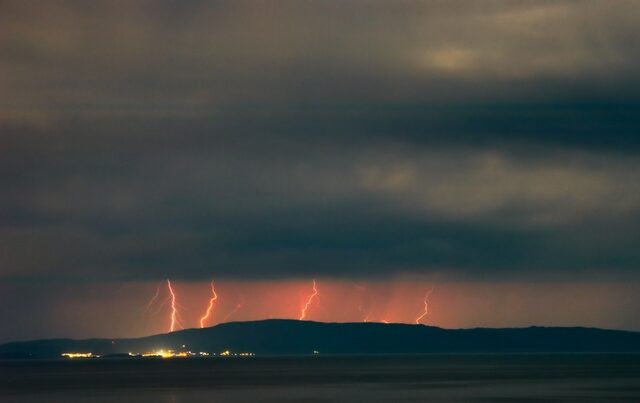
239 306
174 308
366 301
426 305
210 307
303 312
153 299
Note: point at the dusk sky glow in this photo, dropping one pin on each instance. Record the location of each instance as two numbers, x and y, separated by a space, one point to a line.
488 151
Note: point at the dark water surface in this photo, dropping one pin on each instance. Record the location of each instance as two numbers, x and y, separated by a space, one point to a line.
430 378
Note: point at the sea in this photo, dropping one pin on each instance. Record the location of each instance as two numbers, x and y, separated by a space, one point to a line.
424 378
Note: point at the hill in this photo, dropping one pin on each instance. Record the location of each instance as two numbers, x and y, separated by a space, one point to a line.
293 337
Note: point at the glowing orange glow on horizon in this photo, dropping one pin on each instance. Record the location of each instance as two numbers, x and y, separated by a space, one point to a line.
174 307
426 305
210 308
303 312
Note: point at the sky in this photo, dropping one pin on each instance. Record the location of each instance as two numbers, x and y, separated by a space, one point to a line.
490 150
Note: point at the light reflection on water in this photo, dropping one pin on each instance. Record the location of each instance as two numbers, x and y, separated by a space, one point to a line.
436 378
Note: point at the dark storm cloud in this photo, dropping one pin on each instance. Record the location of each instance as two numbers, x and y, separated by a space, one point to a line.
152 139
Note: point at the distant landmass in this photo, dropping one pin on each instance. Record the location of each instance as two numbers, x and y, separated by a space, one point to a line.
293 337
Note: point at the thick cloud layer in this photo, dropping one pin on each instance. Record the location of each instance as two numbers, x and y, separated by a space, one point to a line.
259 140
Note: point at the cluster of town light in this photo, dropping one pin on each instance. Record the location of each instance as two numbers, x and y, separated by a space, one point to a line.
162 353
80 355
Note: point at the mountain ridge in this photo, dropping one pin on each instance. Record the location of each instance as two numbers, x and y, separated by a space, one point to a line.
293 337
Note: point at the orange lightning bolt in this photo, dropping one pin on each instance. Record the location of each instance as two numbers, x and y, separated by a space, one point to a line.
426 305
210 308
148 306
366 300
153 299
303 312
174 308
236 309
